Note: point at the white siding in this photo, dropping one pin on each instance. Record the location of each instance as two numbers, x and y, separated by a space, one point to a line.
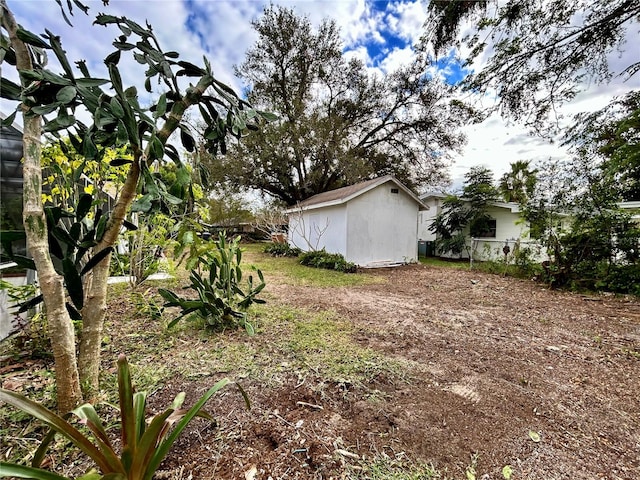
382 227
426 217
319 228
509 228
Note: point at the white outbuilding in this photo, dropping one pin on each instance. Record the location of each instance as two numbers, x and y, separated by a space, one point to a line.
372 223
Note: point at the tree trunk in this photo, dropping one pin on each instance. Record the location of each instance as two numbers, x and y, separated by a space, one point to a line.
95 305
95 288
51 284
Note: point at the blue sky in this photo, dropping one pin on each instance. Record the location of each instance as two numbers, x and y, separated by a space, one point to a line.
381 33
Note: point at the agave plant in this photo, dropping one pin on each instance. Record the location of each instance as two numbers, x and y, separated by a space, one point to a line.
143 446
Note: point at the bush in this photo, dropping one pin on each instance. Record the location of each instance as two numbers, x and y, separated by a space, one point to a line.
221 302
329 261
622 279
524 261
282 250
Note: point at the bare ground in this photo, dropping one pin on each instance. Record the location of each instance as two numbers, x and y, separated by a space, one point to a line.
505 372
498 372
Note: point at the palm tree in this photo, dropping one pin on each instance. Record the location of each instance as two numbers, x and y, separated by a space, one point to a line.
518 184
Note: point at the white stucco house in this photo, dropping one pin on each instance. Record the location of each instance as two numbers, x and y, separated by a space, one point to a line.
506 228
372 223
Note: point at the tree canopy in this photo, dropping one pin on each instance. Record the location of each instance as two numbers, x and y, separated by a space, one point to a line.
466 214
338 124
610 139
539 53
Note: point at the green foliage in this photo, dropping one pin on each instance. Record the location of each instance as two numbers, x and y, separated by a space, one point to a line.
598 242
146 245
598 252
621 279
524 261
609 138
66 174
538 56
146 305
57 100
518 184
329 261
222 301
282 250
72 234
225 209
450 226
142 445
119 120
465 216
32 337
478 187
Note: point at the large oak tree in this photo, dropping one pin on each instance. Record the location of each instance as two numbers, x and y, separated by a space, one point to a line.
338 124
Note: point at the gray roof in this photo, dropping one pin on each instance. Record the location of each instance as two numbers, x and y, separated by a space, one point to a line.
344 194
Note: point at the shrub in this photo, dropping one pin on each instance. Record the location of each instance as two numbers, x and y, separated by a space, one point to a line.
329 261
622 279
142 447
221 302
524 261
282 250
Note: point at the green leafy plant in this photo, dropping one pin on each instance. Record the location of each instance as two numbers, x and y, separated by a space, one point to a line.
282 250
143 446
72 234
329 261
147 305
221 301
146 246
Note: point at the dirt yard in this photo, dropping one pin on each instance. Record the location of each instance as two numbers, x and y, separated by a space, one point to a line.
503 372
496 373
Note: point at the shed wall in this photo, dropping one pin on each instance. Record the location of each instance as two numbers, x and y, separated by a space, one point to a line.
382 227
319 228
426 217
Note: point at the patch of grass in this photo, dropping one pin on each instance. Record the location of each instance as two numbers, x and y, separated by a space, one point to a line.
442 262
290 272
287 340
384 467
147 375
199 352
293 273
20 433
323 343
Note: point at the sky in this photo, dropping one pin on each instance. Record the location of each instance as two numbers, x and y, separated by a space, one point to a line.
380 32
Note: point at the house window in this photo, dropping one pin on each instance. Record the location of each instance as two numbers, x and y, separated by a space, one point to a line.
485 229
394 190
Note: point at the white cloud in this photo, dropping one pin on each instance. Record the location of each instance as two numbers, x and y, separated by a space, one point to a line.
496 144
406 19
360 53
396 58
